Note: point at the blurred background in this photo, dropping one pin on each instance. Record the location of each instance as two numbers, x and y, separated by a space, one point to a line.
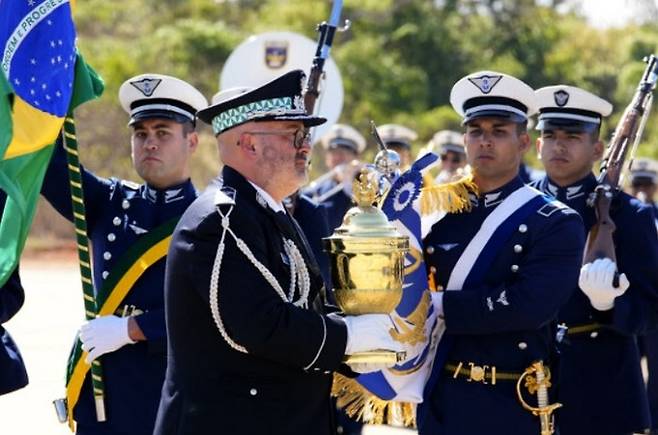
398 62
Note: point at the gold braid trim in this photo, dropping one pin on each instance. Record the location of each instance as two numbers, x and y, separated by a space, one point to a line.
446 197
363 406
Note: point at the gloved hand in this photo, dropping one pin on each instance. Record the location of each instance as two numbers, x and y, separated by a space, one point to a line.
103 335
368 367
596 282
370 332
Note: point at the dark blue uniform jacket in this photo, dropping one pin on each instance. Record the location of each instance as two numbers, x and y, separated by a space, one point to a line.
337 204
118 214
281 386
12 369
601 383
504 320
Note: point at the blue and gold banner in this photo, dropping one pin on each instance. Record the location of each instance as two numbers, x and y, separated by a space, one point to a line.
412 205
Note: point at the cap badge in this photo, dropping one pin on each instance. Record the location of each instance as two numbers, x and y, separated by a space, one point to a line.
298 103
276 54
485 83
561 97
146 86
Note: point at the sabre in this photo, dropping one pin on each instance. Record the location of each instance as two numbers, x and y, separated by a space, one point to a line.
538 384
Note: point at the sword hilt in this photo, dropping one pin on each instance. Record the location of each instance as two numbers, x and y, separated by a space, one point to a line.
538 380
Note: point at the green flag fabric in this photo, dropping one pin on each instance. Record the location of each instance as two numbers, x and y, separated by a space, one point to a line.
21 177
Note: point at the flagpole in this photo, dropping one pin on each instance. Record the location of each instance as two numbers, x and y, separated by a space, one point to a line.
70 144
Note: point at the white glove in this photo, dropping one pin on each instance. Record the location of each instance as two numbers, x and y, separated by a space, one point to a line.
368 367
103 335
370 332
596 282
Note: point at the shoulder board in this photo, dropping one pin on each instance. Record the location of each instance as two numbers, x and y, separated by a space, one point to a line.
130 184
553 206
225 196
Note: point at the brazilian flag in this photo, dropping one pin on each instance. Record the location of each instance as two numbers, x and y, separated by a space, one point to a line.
44 79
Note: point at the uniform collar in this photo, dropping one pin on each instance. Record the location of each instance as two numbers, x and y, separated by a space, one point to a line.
497 196
276 206
168 195
580 188
231 177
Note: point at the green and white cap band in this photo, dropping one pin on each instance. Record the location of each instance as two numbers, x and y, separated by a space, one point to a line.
258 109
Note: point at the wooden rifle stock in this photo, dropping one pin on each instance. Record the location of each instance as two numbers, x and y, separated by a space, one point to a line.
627 133
325 40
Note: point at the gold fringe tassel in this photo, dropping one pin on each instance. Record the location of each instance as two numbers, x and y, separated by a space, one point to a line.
446 197
363 406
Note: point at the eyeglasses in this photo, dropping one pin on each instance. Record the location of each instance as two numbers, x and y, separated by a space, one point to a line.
300 136
453 160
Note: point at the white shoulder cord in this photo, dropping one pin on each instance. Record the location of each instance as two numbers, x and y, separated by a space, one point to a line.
299 276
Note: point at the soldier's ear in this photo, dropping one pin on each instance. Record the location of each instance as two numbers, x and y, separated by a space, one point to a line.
524 142
538 145
598 149
193 140
246 143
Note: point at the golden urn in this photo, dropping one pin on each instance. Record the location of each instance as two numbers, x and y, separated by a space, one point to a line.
367 260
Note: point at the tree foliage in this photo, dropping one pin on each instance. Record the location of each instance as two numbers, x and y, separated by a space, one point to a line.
398 61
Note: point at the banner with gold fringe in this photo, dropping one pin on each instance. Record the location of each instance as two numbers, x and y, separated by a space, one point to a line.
413 205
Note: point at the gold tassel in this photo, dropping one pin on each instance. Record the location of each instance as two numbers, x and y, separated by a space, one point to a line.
448 197
363 406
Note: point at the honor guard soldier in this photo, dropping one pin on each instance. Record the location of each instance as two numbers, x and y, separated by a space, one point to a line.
250 351
343 145
12 369
600 380
501 271
399 138
449 145
643 183
125 221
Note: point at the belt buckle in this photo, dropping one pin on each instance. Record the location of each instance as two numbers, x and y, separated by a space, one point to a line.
478 373
131 310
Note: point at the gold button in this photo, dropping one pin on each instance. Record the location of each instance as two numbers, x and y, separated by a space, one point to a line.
430 250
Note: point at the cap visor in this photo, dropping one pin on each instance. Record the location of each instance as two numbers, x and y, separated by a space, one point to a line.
510 116
308 120
568 125
159 114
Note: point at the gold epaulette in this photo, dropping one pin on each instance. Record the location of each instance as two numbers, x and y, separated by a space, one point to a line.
447 197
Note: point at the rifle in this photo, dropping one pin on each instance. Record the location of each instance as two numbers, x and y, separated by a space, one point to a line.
325 40
628 132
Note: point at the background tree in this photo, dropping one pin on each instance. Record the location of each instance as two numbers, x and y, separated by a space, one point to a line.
398 61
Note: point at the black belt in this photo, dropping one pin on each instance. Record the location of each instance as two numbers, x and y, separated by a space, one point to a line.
584 329
476 373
